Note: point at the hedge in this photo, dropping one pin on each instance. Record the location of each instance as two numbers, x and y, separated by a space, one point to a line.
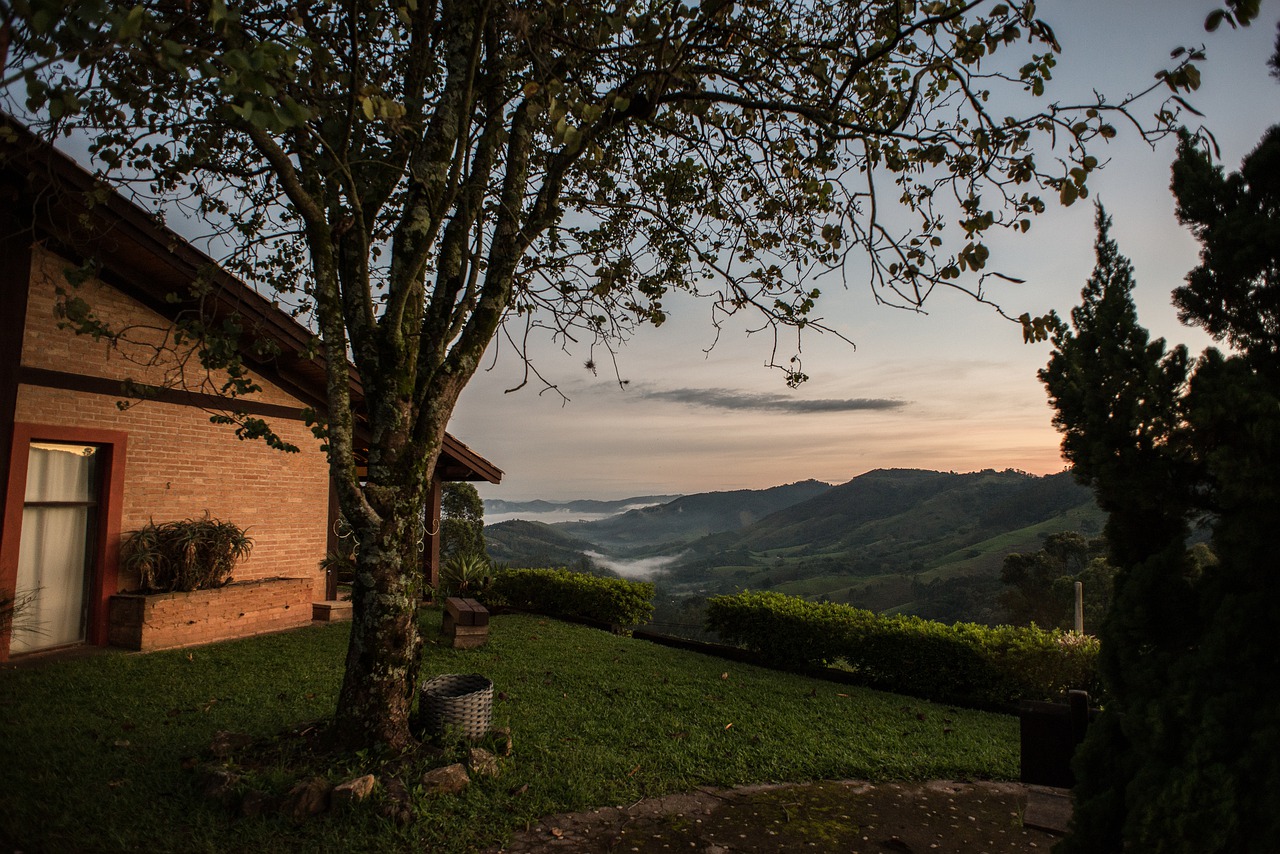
561 593
965 663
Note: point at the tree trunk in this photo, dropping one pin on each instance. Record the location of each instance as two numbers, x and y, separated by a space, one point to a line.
385 651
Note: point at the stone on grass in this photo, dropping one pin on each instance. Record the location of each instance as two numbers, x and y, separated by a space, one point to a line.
353 791
482 763
449 780
307 798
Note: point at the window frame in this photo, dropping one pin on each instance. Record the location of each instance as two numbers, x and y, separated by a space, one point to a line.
104 551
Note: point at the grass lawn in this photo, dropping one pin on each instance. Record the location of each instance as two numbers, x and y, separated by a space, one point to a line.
92 750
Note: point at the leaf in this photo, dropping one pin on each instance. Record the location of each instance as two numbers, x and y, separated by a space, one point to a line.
532 88
366 104
1187 106
1214 20
1068 194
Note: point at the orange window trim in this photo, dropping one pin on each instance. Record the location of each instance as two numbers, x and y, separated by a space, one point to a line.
106 550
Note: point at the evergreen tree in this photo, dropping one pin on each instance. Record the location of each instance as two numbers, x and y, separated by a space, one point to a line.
1186 757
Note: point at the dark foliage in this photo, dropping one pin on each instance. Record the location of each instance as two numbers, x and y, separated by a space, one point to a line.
1187 756
561 593
1040 587
964 663
193 554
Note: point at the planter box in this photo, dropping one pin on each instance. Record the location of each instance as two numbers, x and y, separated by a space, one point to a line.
166 620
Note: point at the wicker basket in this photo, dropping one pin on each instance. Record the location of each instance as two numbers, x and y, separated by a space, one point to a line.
464 701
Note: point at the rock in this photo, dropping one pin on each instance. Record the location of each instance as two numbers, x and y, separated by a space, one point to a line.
449 780
307 798
353 791
225 743
482 763
502 740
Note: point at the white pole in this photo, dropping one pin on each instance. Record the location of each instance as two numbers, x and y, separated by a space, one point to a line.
1079 607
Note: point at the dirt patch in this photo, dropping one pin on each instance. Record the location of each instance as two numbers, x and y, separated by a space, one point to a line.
850 816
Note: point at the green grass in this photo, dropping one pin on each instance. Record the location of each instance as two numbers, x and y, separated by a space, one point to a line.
93 749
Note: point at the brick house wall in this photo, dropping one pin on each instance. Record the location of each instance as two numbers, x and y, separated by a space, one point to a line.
179 464
171 463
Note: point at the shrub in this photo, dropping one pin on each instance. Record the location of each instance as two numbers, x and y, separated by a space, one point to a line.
465 575
193 554
965 663
561 593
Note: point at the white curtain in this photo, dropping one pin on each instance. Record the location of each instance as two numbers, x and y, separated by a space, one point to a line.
53 558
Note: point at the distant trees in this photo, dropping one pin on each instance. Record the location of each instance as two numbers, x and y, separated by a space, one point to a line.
1040 586
461 521
1186 758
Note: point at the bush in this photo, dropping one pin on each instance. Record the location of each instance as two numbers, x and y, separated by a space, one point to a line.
965 663
465 575
193 554
561 593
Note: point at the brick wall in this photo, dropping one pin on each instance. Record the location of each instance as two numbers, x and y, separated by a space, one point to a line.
167 620
179 465
145 334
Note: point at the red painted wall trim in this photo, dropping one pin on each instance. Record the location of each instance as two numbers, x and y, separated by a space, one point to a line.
15 278
106 554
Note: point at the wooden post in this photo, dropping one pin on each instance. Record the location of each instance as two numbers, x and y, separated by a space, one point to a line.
331 543
1079 607
431 538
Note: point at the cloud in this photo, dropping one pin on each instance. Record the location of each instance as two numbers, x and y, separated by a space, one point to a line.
723 398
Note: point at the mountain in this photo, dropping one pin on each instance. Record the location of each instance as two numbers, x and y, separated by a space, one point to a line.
499 507
899 539
905 516
922 542
665 527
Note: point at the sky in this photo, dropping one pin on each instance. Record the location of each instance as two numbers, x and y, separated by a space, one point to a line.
953 389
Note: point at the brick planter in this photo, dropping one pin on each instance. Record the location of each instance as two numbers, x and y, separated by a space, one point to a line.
165 620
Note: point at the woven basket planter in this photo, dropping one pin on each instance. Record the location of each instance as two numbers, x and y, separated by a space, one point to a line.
462 701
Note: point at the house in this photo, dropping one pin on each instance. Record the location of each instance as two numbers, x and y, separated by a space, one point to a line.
83 460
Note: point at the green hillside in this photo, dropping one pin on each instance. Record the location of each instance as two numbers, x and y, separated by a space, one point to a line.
691 517
521 543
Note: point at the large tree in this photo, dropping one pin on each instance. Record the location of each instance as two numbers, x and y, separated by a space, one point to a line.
412 175
1186 757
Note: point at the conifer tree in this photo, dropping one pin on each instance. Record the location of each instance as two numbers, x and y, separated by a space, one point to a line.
1186 757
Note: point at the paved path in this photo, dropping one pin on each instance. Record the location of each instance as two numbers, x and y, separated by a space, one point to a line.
849 816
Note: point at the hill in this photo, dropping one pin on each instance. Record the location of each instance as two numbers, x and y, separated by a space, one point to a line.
522 543
923 542
666 527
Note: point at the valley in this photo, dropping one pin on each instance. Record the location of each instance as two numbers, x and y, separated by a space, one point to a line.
893 540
